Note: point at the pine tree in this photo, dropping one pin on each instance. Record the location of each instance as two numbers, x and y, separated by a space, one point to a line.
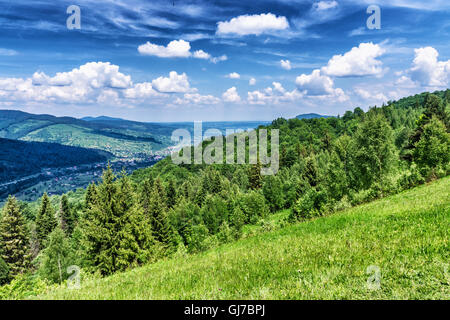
255 177
66 218
90 196
14 239
116 234
45 221
162 231
171 193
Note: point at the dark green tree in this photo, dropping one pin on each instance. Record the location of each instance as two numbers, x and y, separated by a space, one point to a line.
14 239
255 177
171 193
433 148
66 218
161 228
116 234
45 221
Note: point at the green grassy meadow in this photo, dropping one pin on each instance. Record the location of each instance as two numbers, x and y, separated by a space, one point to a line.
405 236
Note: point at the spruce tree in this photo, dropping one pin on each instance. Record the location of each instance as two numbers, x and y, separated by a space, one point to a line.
162 231
66 218
171 193
116 234
255 177
90 196
14 239
45 221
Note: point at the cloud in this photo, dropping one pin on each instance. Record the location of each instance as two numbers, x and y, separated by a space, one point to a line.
177 49
233 75
8 52
218 59
316 84
286 64
90 84
231 95
325 5
200 54
273 95
252 81
252 24
359 61
370 95
196 98
427 70
141 91
174 83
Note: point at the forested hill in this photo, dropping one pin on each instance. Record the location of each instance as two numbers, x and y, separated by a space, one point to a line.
20 158
326 165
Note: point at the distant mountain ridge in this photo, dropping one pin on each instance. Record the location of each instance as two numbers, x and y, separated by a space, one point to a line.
312 116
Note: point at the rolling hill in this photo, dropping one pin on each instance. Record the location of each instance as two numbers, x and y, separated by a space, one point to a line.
403 237
122 138
19 159
311 116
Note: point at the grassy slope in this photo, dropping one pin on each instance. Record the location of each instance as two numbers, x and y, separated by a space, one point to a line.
405 235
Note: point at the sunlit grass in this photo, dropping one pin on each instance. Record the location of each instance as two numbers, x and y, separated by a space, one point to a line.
405 236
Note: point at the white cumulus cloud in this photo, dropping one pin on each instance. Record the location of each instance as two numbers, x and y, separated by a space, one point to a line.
317 84
174 83
233 75
175 49
427 70
286 64
231 95
359 61
252 24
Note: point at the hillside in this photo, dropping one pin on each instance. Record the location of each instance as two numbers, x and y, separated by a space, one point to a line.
123 138
311 116
405 236
20 158
126 139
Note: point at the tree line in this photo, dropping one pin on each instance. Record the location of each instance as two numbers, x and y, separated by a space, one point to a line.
326 165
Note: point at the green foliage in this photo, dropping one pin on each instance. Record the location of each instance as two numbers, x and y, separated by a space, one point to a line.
55 259
116 232
255 177
310 205
45 221
374 148
273 192
405 235
14 239
22 287
433 148
4 272
66 216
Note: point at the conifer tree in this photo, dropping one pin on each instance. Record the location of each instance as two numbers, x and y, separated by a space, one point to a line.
45 221
162 231
255 177
116 234
66 218
4 272
14 239
91 195
171 193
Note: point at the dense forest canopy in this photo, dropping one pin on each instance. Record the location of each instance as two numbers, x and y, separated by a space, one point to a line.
326 164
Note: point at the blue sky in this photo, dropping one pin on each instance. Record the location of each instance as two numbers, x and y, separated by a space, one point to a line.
218 60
